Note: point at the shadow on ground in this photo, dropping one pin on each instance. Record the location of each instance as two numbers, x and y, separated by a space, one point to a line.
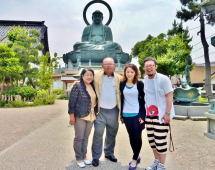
104 165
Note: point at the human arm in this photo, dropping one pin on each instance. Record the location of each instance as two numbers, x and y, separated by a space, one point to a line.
121 86
142 112
72 103
169 100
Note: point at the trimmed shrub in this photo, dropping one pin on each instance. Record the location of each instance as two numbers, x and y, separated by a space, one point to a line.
58 91
16 103
2 103
11 91
202 100
63 97
44 97
26 92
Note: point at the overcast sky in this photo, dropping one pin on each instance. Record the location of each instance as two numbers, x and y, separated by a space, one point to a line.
132 21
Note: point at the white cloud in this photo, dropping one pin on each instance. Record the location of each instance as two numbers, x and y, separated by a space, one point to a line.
132 20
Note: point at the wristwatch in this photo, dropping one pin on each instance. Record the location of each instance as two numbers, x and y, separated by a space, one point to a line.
168 113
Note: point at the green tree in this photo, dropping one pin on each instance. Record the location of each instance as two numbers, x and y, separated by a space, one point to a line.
25 43
46 70
10 68
177 29
189 10
170 52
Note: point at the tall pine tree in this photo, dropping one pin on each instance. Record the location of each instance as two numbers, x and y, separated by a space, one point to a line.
190 10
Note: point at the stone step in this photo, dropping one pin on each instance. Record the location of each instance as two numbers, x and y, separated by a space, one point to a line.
198 118
179 117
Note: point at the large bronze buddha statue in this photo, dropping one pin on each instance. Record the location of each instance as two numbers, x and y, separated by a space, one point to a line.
96 44
97 36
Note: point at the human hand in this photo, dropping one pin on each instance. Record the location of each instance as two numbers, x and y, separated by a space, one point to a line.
141 121
166 119
76 82
72 119
121 119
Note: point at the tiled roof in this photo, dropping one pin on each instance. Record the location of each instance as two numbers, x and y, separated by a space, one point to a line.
7 25
5 29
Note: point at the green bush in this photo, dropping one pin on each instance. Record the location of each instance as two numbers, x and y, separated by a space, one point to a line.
16 103
26 92
63 96
2 103
44 97
202 100
58 91
11 91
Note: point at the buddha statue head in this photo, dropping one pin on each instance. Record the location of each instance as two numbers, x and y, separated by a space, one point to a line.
97 17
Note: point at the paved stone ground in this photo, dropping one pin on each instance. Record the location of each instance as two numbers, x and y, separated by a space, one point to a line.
15 123
39 138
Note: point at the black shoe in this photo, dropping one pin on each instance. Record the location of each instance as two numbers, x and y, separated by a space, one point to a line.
111 158
95 162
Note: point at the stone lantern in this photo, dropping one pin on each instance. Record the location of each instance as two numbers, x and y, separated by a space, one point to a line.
211 120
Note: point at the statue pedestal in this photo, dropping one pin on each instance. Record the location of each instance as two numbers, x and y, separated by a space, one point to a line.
211 125
91 58
211 121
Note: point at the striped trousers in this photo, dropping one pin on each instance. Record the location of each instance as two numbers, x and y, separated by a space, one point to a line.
157 134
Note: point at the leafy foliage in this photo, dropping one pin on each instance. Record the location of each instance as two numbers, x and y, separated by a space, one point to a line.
46 70
170 52
10 68
44 97
26 92
58 91
189 10
22 62
26 46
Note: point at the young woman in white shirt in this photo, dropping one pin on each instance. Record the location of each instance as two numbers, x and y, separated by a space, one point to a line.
133 110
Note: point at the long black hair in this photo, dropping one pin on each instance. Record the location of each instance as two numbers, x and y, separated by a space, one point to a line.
84 71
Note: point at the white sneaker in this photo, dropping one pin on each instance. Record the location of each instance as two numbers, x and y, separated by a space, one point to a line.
81 164
87 162
160 166
153 165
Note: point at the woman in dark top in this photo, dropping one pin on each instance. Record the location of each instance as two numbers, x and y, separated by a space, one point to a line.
82 103
133 110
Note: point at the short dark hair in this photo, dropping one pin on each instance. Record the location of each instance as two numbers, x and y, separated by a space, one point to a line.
84 71
133 67
97 12
150 59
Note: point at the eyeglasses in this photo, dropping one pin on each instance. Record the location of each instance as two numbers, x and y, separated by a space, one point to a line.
108 64
150 65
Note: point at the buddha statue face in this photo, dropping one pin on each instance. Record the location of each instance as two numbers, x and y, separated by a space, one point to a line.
97 17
